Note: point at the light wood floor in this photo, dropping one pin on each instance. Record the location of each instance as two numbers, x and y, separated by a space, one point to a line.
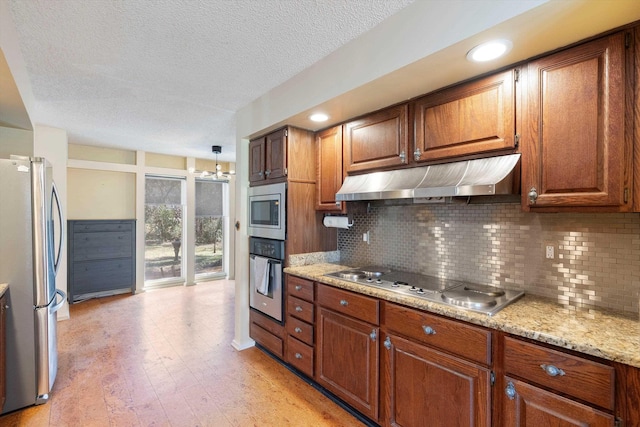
164 358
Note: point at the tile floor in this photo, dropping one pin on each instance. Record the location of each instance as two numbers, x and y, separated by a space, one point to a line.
164 358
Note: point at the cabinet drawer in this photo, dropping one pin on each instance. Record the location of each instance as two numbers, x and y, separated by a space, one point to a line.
581 378
303 310
102 245
461 339
97 276
300 288
92 227
300 355
358 306
266 339
299 329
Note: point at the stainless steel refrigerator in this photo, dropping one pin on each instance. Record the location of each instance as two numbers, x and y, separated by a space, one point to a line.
30 244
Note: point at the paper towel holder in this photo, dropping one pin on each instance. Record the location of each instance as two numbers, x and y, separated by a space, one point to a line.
338 221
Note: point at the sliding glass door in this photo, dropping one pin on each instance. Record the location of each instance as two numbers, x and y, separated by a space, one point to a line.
164 229
210 228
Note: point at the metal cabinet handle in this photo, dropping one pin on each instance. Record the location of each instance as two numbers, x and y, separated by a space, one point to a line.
373 335
403 157
510 391
338 203
533 195
552 371
298 287
344 302
267 172
387 343
429 330
261 174
297 330
417 154
298 308
298 356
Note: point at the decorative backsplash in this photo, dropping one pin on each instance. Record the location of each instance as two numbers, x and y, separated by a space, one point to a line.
596 256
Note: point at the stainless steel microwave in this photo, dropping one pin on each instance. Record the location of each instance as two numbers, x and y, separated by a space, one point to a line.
267 211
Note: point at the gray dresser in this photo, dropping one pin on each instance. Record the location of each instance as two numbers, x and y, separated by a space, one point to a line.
101 258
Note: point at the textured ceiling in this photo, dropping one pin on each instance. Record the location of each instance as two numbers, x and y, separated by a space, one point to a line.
168 76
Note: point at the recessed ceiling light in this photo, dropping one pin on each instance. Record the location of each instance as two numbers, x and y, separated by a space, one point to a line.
319 117
489 50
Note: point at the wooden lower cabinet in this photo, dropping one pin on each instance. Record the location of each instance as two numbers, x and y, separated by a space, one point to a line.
529 406
3 350
267 332
425 387
347 355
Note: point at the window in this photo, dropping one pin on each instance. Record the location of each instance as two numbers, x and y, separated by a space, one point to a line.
210 226
164 219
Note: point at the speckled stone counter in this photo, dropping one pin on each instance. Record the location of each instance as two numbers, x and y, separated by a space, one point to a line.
3 288
609 335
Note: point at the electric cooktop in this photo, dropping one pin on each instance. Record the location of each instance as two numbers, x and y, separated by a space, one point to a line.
468 296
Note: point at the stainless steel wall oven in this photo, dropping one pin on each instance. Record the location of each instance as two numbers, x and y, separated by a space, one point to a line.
266 281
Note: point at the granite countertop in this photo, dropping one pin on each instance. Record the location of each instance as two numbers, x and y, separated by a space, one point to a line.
3 288
609 335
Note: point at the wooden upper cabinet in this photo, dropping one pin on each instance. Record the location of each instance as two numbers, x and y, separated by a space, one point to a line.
268 157
378 140
256 159
471 118
329 164
576 152
276 154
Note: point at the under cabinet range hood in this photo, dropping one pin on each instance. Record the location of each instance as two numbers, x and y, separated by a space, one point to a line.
479 177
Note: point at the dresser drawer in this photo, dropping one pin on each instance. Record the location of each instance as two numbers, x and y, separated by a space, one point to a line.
581 378
102 245
103 275
355 305
461 339
300 355
300 288
97 226
299 329
301 309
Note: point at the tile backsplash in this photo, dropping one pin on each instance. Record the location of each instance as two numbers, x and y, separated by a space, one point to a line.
596 256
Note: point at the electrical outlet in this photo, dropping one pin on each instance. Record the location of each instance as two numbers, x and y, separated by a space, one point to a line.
550 252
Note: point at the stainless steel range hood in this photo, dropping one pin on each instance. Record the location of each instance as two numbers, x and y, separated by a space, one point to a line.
479 177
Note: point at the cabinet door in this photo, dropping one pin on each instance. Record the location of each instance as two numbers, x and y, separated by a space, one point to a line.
529 406
574 142
471 118
256 159
424 387
329 179
347 360
378 140
276 154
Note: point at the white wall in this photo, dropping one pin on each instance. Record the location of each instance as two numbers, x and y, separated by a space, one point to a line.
51 143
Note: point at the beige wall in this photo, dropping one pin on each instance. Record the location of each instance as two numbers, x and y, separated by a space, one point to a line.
94 194
101 154
15 141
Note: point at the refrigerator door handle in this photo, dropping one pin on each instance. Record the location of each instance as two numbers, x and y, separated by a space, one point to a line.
54 194
59 304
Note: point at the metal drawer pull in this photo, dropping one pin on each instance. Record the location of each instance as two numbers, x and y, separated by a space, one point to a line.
552 371
344 302
387 343
298 308
298 287
429 330
510 391
298 356
297 330
373 335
